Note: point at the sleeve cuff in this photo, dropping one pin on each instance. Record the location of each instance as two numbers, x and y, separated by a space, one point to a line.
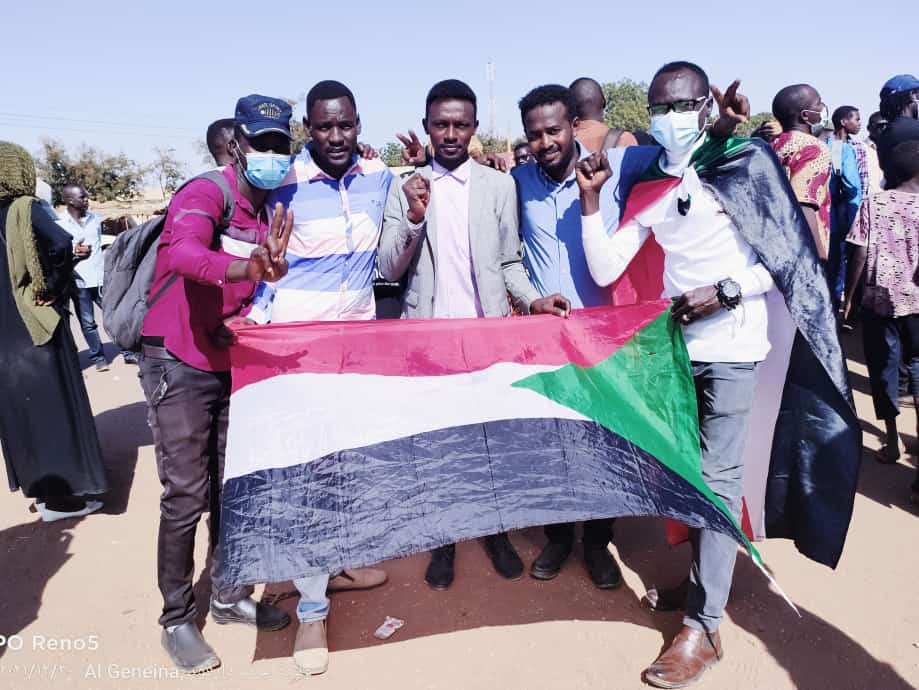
414 226
754 281
216 272
593 224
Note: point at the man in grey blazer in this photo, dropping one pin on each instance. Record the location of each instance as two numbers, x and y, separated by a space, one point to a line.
452 231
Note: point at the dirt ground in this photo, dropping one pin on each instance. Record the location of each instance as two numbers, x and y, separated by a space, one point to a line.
78 599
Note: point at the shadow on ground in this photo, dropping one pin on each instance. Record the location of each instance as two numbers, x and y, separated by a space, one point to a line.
31 555
122 432
808 648
478 598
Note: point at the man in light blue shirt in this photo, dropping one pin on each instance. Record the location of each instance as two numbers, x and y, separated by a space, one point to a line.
551 230
86 229
550 223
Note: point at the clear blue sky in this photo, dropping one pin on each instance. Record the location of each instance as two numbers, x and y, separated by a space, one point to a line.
78 72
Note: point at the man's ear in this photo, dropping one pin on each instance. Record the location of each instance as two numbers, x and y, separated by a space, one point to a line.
306 122
424 124
358 125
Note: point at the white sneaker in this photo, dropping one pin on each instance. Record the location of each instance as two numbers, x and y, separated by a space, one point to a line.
311 651
48 515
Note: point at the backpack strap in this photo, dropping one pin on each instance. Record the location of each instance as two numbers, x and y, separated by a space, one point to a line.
159 293
229 205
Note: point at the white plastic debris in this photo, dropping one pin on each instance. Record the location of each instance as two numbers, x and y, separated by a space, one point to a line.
390 625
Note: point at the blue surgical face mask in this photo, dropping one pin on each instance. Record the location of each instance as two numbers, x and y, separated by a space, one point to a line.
676 132
266 170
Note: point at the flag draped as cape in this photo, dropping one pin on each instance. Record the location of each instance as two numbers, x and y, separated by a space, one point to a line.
808 437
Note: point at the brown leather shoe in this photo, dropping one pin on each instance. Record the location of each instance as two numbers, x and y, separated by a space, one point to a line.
689 656
357 578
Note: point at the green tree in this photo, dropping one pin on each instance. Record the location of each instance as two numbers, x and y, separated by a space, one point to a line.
492 143
105 177
747 128
627 104
391 154
168 170
53 166
299 136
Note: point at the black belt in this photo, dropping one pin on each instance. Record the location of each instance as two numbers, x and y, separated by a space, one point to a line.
152 346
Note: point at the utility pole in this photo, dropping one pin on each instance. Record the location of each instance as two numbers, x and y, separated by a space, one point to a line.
490 76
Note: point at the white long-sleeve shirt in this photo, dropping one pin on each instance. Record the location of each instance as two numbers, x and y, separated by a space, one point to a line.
88 230
700 249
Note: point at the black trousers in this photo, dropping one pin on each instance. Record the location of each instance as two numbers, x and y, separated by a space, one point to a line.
188 412
597 533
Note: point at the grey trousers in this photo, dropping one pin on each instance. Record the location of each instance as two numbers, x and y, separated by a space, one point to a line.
724 391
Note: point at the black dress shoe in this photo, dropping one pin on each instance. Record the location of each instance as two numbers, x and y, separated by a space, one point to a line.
663 600
250 612
439 574
602 567
549 562
503 556
188 650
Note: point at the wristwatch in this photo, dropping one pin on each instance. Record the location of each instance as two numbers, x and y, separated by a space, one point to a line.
729 294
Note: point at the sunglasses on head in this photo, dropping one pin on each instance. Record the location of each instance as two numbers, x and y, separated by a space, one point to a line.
684 106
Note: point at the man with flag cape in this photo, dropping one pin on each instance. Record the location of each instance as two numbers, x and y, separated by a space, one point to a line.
732 248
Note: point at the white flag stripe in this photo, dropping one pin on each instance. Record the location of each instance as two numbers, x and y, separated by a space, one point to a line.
303 417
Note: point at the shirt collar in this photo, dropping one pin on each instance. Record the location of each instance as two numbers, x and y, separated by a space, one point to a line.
460 173
314 172
82 222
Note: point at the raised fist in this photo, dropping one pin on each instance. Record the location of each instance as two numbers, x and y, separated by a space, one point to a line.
417 191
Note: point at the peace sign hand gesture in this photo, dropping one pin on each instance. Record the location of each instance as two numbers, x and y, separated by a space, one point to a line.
733 110
413 153
268 262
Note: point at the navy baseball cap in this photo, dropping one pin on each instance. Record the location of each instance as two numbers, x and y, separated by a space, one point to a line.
257 115
899 83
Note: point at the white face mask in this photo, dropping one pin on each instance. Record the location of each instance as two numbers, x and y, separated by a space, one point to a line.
676 132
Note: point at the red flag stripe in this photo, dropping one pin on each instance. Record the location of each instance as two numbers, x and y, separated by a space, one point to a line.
436 347
643 279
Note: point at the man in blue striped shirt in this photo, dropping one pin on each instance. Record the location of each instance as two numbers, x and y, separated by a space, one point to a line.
338 200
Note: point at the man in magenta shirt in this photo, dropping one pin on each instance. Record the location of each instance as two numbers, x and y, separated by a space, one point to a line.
184 368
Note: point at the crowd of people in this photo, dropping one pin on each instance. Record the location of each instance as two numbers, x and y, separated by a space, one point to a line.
310 235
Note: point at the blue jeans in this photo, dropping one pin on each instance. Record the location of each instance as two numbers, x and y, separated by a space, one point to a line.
314 604
83 303
724 393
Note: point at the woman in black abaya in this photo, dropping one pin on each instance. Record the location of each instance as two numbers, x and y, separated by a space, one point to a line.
47 433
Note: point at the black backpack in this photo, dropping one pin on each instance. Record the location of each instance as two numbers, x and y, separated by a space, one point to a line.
130 265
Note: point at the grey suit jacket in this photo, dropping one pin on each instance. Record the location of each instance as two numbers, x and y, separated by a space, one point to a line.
497 252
